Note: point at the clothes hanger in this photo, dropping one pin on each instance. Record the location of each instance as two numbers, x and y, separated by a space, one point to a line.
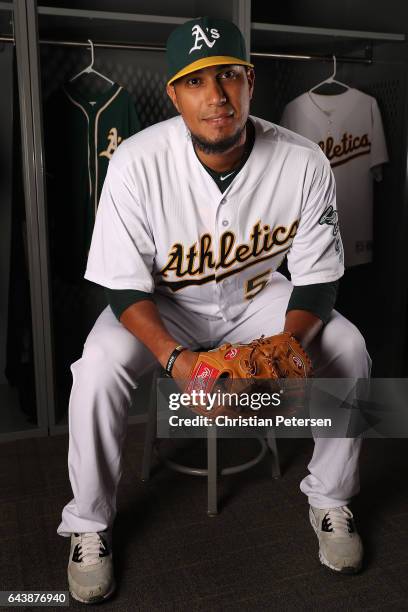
330 80
90 69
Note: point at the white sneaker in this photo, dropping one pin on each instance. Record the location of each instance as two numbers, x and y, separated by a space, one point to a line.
90 567
340 546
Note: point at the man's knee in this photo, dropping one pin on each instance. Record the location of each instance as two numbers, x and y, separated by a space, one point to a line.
352 342
112 346
112 358
341 350
98 367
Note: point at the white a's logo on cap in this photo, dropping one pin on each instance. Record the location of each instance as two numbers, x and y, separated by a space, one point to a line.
200 35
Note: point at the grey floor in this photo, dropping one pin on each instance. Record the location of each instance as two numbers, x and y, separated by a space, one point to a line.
259 553
11 417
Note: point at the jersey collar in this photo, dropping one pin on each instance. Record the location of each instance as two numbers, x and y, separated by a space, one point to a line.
85 100
225 178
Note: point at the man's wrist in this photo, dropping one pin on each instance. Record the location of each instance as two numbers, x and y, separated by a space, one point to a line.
172 358
302 325
166 350
294 334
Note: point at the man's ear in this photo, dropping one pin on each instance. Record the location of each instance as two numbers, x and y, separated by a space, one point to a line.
251 81
171 92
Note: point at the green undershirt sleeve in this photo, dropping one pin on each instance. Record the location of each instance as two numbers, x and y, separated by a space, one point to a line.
318 299
120 299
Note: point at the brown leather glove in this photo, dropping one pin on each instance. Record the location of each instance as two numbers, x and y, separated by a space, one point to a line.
237 368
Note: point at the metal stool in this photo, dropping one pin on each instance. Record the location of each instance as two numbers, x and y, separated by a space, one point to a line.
211 472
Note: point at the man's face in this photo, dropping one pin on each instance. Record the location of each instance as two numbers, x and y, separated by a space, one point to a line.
214 103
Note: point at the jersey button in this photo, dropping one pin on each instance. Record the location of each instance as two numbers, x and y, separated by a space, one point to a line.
225 222
223 201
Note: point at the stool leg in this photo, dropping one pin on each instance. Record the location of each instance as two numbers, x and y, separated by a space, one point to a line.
150 436
212 509
271 440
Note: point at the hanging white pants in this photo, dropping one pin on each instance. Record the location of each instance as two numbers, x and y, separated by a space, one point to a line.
113 360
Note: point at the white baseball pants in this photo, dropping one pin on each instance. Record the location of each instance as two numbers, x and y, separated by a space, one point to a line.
113 360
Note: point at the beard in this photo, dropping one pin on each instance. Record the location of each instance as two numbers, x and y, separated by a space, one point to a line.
219 146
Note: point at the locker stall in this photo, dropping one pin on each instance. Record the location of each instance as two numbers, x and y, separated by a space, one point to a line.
128 40
373 296
134 58
76 303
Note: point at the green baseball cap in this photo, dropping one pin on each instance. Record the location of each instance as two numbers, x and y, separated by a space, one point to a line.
204 42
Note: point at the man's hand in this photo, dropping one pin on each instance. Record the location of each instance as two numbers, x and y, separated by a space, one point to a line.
240 368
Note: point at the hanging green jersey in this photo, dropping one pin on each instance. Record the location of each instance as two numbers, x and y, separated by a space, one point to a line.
82 133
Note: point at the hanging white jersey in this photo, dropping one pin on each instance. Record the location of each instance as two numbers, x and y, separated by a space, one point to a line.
349 130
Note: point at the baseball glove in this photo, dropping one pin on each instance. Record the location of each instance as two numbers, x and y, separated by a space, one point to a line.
237 368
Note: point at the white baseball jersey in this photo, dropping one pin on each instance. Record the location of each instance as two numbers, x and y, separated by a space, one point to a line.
162 223
349 130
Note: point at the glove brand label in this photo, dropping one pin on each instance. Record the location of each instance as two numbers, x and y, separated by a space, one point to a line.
297 361
205 373
231 354
203 377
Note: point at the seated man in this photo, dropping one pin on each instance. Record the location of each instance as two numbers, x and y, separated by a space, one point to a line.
195 216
